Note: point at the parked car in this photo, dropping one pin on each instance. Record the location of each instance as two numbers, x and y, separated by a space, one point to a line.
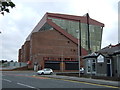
45 71
82 70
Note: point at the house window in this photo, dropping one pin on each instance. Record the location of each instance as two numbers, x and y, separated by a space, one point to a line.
88 66
108 61
93 66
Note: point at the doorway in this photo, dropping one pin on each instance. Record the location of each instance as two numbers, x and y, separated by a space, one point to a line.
109 69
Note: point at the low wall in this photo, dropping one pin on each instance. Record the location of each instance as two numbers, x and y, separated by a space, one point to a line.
14 64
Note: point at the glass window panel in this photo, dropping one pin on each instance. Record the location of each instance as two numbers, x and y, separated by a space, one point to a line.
46 26
72 26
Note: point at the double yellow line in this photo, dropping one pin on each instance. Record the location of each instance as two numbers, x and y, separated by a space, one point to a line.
85 83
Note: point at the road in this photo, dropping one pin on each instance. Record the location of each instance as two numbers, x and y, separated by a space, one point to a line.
19 79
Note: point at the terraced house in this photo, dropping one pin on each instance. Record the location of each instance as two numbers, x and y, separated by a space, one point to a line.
53 42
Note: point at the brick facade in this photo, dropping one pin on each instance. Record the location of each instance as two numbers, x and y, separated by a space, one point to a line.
52 44
19 56
54 48
24 52
27 51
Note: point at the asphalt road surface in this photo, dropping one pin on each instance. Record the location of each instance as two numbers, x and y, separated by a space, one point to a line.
18 79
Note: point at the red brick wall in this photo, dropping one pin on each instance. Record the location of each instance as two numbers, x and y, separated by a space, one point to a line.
22 54
19 56
51 44
27 51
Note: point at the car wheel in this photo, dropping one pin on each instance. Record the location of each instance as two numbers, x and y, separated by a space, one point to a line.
42 73
51 73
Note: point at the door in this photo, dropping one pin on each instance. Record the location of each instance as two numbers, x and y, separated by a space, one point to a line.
109 71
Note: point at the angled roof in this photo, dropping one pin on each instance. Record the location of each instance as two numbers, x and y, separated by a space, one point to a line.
110 49
107 51
82 19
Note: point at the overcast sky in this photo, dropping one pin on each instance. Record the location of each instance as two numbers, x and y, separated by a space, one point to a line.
17 25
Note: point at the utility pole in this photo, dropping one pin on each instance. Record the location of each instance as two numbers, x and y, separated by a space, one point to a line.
79 44
89 50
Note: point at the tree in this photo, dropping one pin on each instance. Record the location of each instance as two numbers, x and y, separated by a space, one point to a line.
4 6
11 61
3 61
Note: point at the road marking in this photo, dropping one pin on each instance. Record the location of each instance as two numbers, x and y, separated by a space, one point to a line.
7 80
33 76
86 83
92 84
25 85
39 77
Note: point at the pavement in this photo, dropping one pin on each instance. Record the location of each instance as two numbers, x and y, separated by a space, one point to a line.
87 80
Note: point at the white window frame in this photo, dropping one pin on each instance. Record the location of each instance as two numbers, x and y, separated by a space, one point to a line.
90 64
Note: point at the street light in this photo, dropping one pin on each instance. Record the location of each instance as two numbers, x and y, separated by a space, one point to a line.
1 46
78 50
79 45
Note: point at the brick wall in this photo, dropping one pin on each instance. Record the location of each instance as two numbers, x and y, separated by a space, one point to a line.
27 51
52 44
24 52
19 55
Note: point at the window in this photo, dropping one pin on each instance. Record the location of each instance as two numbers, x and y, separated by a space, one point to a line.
72 26
108 61
68 41
94 66
91 66
88 66
46 26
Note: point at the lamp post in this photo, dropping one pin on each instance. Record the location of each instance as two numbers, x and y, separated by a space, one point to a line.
89 47
78 50
1 46
79 45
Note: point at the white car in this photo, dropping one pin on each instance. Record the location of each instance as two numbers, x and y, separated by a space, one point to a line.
45 71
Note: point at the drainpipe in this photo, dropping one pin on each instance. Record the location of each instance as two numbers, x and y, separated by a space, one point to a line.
118 66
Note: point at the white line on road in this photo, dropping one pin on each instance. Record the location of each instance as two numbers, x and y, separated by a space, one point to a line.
7 80
25 85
